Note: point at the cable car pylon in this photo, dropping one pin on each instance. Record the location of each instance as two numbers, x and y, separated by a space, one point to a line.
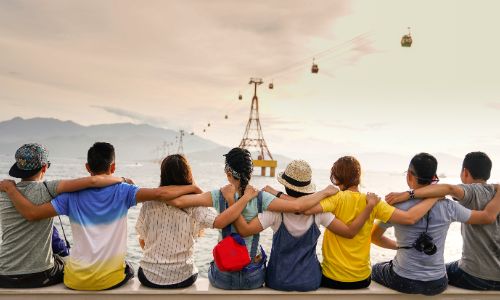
253 138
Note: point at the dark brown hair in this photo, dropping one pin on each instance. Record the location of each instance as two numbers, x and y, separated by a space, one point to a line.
175 170
346 171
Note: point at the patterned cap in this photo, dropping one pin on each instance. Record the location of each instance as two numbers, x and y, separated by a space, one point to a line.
29 160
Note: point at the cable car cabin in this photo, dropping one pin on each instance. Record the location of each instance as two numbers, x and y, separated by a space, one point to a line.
314 68
208 124
226 117
406 40
271 86
240 97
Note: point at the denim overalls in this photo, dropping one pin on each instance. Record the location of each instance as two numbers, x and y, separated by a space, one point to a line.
294 265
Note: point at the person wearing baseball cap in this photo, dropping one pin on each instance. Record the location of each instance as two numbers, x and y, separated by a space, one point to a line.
26 256
98 218
294 265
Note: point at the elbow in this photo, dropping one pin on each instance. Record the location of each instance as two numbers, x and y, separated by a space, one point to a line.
490 219
350 235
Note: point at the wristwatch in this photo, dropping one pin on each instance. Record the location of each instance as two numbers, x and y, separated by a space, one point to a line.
412 194
279 194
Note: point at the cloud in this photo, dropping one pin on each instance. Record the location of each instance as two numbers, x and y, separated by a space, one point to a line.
137 117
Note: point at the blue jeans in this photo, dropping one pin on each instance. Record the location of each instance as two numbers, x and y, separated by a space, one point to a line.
459 278
384 274
236 280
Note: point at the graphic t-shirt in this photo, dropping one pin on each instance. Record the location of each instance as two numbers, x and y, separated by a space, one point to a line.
348 260
98 220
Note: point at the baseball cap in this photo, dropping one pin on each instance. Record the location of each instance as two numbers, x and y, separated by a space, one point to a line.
29 160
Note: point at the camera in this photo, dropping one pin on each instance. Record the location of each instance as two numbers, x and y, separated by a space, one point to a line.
425 243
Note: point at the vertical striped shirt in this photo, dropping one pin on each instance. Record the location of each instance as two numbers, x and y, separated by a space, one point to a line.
169 235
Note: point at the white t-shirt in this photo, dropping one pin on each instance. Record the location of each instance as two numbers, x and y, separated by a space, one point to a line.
297 225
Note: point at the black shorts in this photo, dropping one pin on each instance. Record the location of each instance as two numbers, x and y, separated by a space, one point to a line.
184 284
49 277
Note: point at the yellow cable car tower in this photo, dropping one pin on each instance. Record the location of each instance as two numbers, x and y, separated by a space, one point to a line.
254 138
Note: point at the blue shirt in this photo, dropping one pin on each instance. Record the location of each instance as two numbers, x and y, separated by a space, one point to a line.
98 220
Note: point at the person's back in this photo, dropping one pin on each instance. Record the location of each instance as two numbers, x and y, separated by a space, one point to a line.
481 249
25 246
169 234
98 220
413 264
348 260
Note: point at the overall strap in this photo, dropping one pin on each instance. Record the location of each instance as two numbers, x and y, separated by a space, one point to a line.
222 206
256 237
58 216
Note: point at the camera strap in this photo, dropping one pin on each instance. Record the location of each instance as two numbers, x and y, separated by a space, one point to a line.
426 228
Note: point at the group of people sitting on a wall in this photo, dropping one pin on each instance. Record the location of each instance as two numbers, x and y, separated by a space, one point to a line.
173 215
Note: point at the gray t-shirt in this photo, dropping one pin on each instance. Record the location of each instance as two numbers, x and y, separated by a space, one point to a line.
412 264
481 250
25 247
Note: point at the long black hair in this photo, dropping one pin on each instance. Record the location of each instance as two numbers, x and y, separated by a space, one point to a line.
239 164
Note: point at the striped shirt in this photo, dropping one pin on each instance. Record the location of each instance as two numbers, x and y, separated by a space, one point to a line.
169 235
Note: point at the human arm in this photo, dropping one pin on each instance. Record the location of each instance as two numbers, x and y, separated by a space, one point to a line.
26 208
192 200
236 208
414 214
98 181
379 239
303 203
349 231
489 214
430 191
170 194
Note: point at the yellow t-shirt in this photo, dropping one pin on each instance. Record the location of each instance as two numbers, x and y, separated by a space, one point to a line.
348 260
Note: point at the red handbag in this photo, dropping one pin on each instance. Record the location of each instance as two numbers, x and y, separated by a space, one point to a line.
231 254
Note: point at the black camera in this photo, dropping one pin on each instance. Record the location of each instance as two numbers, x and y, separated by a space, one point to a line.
425 243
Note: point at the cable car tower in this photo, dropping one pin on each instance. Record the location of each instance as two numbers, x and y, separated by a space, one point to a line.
180 148
254 138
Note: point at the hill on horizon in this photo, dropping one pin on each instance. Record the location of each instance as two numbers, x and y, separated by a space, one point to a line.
133 142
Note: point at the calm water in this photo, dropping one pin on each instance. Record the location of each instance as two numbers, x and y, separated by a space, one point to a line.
209 175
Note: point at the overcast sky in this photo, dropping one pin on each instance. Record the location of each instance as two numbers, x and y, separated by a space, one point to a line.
181 64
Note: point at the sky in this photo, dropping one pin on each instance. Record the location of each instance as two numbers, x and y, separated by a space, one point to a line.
182 64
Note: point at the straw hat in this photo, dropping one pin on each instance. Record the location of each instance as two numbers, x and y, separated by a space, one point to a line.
297 177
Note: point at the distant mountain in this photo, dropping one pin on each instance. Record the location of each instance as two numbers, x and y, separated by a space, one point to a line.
68 139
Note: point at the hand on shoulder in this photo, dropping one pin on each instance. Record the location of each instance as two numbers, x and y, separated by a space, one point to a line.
6 184
372 199
330 190
393 198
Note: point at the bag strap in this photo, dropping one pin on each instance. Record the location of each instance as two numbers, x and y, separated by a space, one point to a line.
226 231
60 221
256 237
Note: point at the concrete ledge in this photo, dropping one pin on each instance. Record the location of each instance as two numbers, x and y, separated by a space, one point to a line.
203 290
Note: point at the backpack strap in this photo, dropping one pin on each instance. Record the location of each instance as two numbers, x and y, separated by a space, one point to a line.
60 221
256 237
226 231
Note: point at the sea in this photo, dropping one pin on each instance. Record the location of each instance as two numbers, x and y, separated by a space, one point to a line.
210 175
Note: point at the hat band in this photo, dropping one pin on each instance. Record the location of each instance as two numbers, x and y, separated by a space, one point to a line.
295 182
